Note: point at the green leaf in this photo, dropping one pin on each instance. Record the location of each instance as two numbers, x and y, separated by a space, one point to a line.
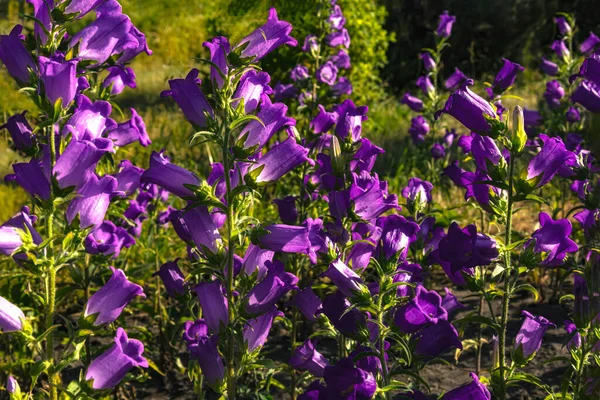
152 365
529 288
245 119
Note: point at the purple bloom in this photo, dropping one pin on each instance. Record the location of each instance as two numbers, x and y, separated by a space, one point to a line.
206 352
428 61
10 237
267 38
465 248
41 11
287 209
370 196
345 279
323 121
269 291
278 161
219 49
588 95
110 367
336 18
436 338
533 119
108 239
549 160
341 59
349 323
32 178
273 116
200 227
437 151
365 157
573 116
350 119
342 87
307 303
12 386
128 177
548 67
299 73
419 128
112 298
119 77
418 191
311 44
60 80
397 233
255 259
257 330
424 308
411 273
306 358
554 93
506 76
455 80
575 341
131 131
444 28
560 48
83 6
11 316
485 152
414 103
589 70
20 131
78 162
214 304
93 202
251 88
472 391
345 381
338 38
424 83
90 120
529 338
15 56
327 73
172 277
563 25
169 176
450 303
286 239
552 240
469 109
284 91
132 51
190 98
589 44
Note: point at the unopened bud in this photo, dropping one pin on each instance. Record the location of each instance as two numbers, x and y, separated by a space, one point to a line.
337 160
519 137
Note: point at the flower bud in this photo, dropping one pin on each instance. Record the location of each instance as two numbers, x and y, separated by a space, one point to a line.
337 160
519 137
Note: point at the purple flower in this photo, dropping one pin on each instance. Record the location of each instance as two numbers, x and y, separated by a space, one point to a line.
342 87
10 237
32 178
450 303
169 176
257 330
60 80
575 341
560 48
414 103
307 303
285 238
78 162
336 18
444 28
90 120
341 59
572 115
465 248
15 56
506 76
417 191
424 83
11 316
190 98
370 196
563 25
327 73
172 277
472 391
93 202
424 308
589 70
345 381
269 291
108 239
437 151
350 119
306 358
278 161
412 273
284 91
110 367
200 227
119 77
397 233
469 109
349 323
41 11
428 61
267 38
455 80
287 209
299 73
345 279
112 298
12 386
132 51
436 338
419 128
588 95
251 88
548 67
219 49
554 93
128 178
273 116
83 6
206 352
589 44
365 157
533 119
529 338
338 38
20 131
549 160
311 44
323 121
255 259
131 131
552 240
485 152
214 304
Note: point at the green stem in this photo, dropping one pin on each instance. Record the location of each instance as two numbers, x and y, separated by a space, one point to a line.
50 279
293 346
580 368
382 360
507 271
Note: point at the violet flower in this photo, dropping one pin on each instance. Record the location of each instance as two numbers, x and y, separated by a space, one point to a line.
251 88
350 119
267 38
341 59
419 128
311 44
110 367
83 6
342 87
93 202
32 178
424 83
397 233
428 62
552 240
455 80
11 317
563 25
219 49
465 248
90 120
438 151
131 131
588 95
299 73
552 156
365 157
474 390
20 131
581 308
548 67
273 116
529 339
214 304
190 98
15 56
255 259
128 178
12 386
344 380
327 73
349 323
575 341
284 91
271 289
307 303
10 236
589 44
172 278
78 161
41 11
169 176
561 49
444 28
424 308
256 331
414 103
572 115
554 93
60 80
450 303
112 298
201 228
288 213
345 279
485 152
338 38
306 358
206 352
278 161
119 77
437 338
506 76
108 239
336 18
411 273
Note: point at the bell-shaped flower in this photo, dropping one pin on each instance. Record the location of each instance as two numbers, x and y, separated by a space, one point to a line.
349 323
189 97
90 120
475 390
11 317
267 38
370 196
411 273
10 235
15 56
251 88
32 178
131 131
271 289
465 248
78 162
419 128
93 201
552 240
201 228
345 381
589 69
107 370
342 87
350 119
485 152
299 73
414 103
128 178
450 303
428 61
548 67
60 80
469 109
219 48
417 192
41 11
506 76
112 298
341 59
575 341
311 44
327 73
284 91
119 77
307 302
278 161
172 277
256 259
437 338
214 304
455 80
444 28
559 46
551 158
397 233
345 279
529 339
288 213
365 157
131 52
424 308
336 18
554 93
588 95
206 352
257 330
589 44
255 135
306 358
324 120
338 38
108 240
169 176
20 131
82 6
